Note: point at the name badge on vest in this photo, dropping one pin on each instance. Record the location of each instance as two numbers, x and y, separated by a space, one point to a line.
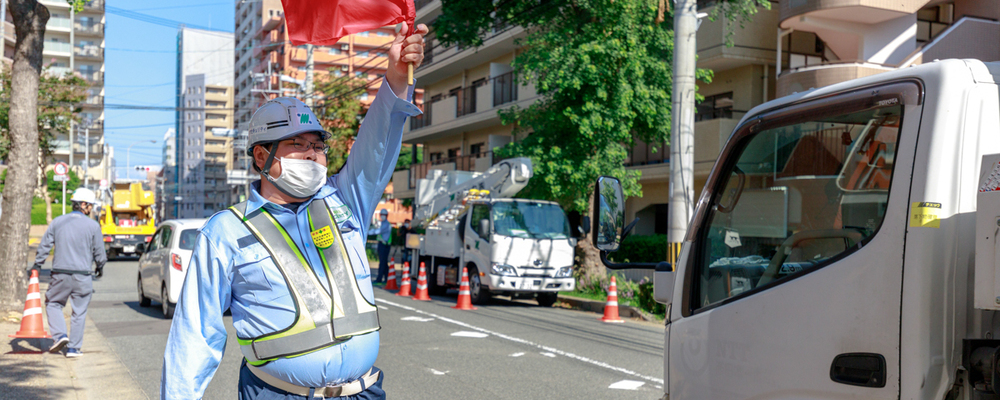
323 237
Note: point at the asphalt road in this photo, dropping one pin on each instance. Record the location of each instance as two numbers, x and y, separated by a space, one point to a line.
504 350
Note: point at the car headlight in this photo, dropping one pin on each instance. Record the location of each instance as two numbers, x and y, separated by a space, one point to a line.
504 269
564 272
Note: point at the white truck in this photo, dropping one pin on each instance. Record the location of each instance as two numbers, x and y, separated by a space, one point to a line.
844 246
512 247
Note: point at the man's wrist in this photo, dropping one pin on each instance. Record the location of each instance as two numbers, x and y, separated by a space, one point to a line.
397 82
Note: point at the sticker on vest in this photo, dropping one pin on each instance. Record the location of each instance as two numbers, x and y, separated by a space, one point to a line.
323 237
340 213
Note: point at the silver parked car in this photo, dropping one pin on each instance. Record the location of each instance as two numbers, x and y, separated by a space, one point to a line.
164 262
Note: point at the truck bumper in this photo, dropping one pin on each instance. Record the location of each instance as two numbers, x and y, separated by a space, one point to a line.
531 284
124 245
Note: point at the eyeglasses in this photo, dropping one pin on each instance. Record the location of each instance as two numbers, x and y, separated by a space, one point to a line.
303 145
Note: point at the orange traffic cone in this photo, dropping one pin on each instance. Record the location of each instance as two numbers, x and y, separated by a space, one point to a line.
31 321
422 294
464 297
391 284
405 289
611 309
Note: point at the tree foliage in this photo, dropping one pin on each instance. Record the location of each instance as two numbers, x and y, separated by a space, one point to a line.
58 105
339 110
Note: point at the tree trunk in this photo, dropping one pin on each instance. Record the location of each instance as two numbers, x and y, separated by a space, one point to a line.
588 257
30 18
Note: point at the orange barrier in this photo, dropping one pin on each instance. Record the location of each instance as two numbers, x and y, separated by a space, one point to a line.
31 320
464 297
611 308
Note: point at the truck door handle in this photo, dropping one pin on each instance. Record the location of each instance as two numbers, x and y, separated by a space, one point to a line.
859 369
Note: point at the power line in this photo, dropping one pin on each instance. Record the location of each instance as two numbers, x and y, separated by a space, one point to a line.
155 20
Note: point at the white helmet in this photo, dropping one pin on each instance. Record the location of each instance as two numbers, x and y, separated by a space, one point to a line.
280 119
84 195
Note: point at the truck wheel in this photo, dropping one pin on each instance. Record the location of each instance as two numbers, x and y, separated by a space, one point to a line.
478 293
143 300
547 299
168 307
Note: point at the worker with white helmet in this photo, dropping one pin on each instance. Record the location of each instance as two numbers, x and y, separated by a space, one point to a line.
289 262
81 245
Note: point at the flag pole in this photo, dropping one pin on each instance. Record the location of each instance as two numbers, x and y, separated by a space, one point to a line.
409 74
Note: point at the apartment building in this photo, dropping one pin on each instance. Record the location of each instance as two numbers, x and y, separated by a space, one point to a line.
794 46
74 42
203 142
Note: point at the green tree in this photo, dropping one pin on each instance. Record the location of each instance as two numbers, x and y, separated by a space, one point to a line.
603 69
339 110
54 188
29 18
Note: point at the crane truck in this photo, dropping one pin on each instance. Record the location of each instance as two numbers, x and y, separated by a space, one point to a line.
126 218
845 245
512 247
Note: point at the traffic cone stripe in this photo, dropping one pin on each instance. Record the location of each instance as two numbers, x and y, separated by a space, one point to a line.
33 281
422 293
34 296
613 303
611 308
32 311
31 320
464 293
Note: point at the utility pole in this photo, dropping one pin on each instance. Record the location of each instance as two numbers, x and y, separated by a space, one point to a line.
309 76
682 125
72 147
86 156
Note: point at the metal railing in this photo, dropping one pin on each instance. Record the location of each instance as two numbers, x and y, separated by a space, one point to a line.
466 103
92 29
422 120
94 4
642 154
462 163
88 51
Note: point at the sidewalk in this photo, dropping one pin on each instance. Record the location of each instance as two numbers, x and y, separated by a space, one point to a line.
30 372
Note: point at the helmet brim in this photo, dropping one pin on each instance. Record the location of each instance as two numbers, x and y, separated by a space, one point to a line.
324 136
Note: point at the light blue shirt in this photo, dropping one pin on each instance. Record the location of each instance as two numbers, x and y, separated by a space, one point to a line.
384 230
230 271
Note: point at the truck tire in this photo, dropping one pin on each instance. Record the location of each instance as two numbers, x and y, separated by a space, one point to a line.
477 293
547 299
143 300
168 307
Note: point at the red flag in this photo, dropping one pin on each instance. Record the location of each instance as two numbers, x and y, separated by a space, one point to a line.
324 22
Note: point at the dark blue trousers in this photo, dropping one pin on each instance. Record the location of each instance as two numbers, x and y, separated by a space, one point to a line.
383 262
252 388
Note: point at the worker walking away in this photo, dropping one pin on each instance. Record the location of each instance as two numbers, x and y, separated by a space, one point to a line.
80 245
384 246
289 262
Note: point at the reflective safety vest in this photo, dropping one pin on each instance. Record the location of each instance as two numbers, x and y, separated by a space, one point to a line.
322 319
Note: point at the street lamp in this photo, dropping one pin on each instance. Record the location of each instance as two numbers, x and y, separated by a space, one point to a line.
128 155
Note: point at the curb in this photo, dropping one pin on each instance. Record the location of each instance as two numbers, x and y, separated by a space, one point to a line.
598 307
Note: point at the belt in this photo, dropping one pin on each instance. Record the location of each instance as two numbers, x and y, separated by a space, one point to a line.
347 389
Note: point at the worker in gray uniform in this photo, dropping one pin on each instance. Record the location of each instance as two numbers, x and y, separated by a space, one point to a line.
80 244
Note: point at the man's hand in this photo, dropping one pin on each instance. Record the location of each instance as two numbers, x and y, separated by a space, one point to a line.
405 50
99 273
34 266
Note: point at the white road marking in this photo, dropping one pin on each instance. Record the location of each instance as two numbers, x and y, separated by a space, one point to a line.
469 334
548 354
517 354
418 319
528 343
436 372
626 385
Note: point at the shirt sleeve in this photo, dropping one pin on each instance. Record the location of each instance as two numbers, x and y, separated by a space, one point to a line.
197 338
373 156
100 257
45 245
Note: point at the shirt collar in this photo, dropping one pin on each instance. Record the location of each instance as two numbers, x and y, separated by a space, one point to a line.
257 201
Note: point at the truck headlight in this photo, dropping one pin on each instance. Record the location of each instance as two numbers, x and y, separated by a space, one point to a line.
564 272
504 269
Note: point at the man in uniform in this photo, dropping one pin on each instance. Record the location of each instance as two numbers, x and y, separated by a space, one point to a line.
384 235
80 244
289 263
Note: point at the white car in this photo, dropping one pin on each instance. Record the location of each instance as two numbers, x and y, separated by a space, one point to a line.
164 262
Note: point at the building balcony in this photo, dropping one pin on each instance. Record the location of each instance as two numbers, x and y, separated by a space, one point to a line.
93 101
475 108
94 5
857 11
963 39
59 25
57 4
270 23
8 32
93 77
90 52
57 49
88 29
809 77
445 62
427 10
752 44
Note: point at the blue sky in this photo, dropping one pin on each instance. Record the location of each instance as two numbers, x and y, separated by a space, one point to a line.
140 66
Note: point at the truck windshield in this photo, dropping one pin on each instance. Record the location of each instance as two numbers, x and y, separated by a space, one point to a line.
530 220
796 197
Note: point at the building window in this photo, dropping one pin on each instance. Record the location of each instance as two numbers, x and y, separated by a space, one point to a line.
718 106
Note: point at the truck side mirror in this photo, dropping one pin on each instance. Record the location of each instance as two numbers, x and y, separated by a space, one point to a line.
609 210
484 227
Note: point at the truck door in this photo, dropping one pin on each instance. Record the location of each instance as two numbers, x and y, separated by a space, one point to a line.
793 268
477 240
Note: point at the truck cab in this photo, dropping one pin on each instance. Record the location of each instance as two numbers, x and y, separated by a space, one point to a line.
833 251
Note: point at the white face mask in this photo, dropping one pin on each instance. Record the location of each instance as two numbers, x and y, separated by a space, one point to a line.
300 179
